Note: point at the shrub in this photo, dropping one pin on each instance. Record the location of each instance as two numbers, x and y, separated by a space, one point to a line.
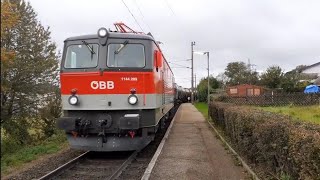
272 142
9 146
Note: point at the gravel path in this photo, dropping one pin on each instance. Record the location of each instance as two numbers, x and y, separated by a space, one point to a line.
45 164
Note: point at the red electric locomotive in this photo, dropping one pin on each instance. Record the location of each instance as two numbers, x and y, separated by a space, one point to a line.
116 89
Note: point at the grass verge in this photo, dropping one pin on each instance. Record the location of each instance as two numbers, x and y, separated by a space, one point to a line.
203 108
13 161
304 113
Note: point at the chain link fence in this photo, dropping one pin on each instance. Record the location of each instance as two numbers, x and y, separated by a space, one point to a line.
279 99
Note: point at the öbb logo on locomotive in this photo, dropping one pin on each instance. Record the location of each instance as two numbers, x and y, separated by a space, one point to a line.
102 84
116 89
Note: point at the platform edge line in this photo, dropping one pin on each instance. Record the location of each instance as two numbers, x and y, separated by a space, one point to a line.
152 163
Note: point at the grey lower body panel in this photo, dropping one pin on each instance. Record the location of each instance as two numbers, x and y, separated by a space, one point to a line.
114 135
112 143
116 101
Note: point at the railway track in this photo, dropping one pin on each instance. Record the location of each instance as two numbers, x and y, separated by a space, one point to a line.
91 165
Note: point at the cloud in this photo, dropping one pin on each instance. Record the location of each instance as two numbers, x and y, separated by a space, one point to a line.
270 32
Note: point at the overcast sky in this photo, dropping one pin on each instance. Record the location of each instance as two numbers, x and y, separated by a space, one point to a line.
268 32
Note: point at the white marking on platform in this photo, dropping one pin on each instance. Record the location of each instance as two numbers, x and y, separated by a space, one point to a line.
152 163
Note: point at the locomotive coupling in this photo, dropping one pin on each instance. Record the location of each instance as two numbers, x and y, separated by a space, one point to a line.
104 121
75 123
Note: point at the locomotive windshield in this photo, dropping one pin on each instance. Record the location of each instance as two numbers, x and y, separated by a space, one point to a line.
126 55
82 56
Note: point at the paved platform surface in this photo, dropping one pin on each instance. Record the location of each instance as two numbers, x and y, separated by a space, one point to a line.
193 152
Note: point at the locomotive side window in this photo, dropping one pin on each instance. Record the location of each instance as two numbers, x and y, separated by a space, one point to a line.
126 55
82 56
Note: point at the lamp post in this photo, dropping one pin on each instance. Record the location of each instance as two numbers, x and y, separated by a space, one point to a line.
208 96
192 44
208 100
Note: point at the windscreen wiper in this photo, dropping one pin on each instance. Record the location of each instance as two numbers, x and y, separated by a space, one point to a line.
89 47
121 47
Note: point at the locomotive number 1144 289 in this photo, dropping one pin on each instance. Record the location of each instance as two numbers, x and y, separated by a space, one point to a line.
129 79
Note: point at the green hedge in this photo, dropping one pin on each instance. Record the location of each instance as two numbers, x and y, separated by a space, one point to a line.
273 143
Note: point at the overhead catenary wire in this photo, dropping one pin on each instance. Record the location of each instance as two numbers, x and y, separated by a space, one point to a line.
178 67
142 16
178 64
183 78
176 18
178 23
181 60
201 64
132 15
168 5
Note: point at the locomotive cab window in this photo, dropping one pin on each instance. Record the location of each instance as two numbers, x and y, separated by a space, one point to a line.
82 56
126 55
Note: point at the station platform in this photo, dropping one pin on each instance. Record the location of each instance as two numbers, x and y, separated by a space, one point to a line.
192 151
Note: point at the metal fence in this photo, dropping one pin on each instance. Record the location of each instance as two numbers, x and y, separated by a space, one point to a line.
273 99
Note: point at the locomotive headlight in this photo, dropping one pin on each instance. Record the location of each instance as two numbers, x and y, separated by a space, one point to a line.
73 100
102 32
132 99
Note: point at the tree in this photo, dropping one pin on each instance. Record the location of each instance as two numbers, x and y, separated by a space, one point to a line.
273 77
29 75
291 80
50 112
202 87
239 73
9 20
223 79
300 68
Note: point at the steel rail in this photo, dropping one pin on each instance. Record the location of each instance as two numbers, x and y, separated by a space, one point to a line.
117 173
64 167
61 169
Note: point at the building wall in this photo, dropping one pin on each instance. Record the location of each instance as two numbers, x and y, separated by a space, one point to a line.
312 70
245 90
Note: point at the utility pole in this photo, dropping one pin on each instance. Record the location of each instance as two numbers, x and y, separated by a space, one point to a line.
195 83
208 81
192 44
208 98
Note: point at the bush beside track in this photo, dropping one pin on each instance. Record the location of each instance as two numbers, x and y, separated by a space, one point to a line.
274 143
